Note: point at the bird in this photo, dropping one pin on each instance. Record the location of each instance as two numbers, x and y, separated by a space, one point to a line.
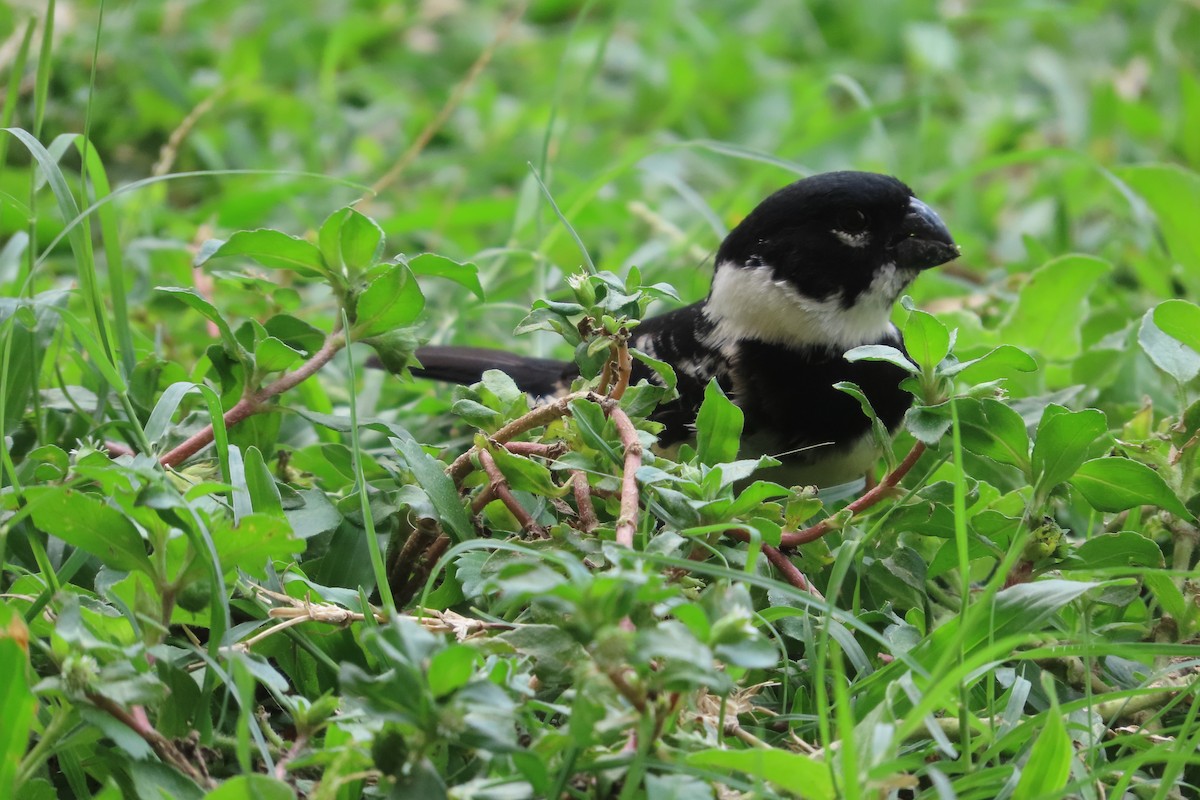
811 272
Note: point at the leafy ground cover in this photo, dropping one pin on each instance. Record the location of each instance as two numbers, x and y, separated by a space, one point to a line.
236 563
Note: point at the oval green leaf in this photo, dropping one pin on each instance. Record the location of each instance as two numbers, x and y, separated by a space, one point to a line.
272 249
1180 320
1115 484
392 300
718 427
1063 440
1050 309
926 339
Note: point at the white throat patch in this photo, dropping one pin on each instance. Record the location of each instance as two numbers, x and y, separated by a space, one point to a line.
751 303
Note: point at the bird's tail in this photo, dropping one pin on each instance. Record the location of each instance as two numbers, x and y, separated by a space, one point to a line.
466 365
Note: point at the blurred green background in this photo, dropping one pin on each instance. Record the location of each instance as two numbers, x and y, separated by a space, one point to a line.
656 126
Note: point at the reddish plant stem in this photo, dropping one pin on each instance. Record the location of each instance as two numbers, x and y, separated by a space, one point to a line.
866 501
542 415
420 573
792 539
535 449
1022 572
583 500
253 403
486 495
624 369
117 449
399 569
291 755
500 486
790 572
627 521
605 379
636 698
162 746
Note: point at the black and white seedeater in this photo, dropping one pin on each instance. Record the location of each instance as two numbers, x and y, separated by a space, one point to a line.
810 273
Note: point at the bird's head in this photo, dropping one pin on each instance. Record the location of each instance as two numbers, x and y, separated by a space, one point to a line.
822 260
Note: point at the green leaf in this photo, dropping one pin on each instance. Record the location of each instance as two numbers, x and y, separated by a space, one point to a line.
999 362
160 418
450 669
360 242
1063 440
926 339
431 475
1024 608
718 427
1173 192
1050 309
394 348
122 735
899 578
592 425
272 249
391 301
1121 549
927 423
805 776
1115 484
1046 771
1167 594
272 355
463 273
295 333
95 350
661 368
501 385
1180 320
525 474
29 325
883 352
17 703
329 239
190 298
992 429
1168 352
477 414
264 494
255 539
753 496
84 521
554 651
252 787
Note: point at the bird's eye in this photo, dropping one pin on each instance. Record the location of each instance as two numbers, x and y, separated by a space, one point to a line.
852 221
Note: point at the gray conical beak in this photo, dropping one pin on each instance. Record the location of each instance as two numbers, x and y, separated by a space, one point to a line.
924 240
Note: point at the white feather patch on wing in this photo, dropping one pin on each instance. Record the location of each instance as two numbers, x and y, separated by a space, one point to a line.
751 303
